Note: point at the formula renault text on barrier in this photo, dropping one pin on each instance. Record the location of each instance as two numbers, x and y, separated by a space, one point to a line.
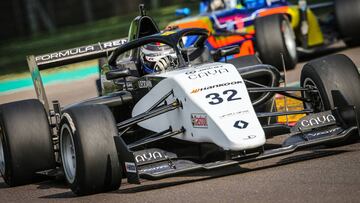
192 115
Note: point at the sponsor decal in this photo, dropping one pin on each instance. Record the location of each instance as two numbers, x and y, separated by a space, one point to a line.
316 120
145 84
216 98
319 120
114 43
130 167
168 33
156 168
249 137
199 69
206 72
197 90
234 113
65 53
241 124
326 132
149 157
199 120
80 50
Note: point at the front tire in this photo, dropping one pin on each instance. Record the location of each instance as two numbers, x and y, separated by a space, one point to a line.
274 35
88 152
336 72
25 142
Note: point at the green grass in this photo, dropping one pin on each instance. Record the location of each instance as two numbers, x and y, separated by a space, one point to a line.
13 53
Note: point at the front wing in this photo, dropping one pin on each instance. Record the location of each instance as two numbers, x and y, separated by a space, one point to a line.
335 126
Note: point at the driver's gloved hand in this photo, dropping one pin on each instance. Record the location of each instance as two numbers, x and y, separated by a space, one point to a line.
164 63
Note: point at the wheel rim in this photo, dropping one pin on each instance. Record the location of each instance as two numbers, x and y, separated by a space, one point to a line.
68 155
316 103
2 155
289 37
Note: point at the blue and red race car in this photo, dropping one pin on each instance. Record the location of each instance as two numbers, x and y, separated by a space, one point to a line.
273 28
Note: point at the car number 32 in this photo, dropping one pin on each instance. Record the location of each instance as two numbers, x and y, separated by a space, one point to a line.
216 98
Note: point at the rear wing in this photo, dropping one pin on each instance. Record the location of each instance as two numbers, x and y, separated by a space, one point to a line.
65 57
78 54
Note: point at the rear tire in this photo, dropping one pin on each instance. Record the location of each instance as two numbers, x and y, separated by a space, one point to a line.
25 142
88 152
347 14
274 35
336 72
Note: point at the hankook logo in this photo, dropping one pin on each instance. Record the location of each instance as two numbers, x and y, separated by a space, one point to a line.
197 90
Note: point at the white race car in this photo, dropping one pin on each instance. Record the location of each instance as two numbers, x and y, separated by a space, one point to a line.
190 115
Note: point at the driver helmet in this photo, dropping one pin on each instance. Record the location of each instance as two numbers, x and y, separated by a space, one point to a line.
254 4
217 5
157 57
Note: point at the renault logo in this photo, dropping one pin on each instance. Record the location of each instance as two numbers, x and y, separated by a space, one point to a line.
241 124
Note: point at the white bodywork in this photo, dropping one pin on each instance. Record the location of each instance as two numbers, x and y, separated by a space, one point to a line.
216 107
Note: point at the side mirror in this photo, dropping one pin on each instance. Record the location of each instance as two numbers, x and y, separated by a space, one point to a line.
225 51
183 12
118 73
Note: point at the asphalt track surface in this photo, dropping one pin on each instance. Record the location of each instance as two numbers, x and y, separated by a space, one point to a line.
314 175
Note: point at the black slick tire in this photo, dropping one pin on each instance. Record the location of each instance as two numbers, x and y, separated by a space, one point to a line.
347 14
89 131
26 142
274 35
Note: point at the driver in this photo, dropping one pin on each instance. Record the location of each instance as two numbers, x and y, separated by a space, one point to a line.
157 57
217 5
254 4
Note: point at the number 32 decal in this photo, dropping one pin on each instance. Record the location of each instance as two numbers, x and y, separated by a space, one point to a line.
217 99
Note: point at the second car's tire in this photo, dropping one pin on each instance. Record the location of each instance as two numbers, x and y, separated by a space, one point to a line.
347 14
88 152
274 35
25 142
